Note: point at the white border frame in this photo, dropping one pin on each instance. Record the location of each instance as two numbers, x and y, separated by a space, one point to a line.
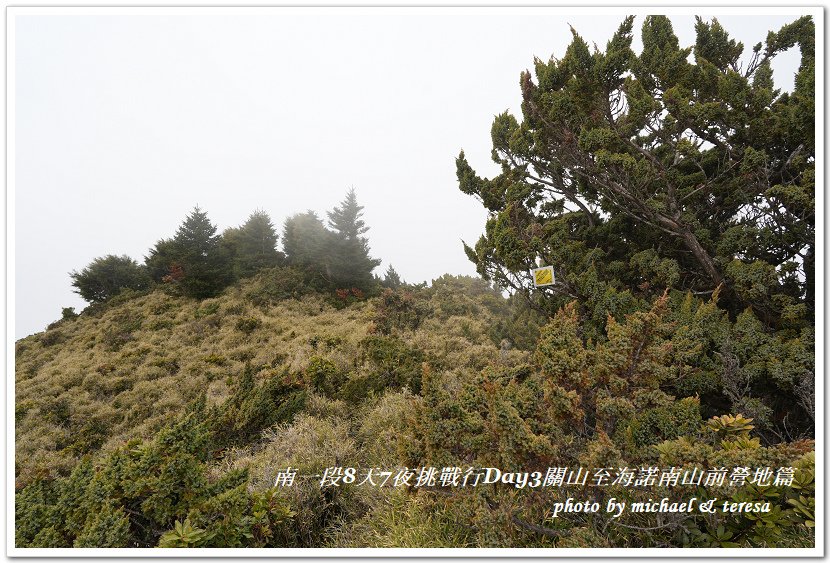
530 9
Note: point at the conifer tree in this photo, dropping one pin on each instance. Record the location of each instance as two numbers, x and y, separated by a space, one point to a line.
307 244
161 260
352 265
632 173
345 220
193 259
252 246
391 279
678 170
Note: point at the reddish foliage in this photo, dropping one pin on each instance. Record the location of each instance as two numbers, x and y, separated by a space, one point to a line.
176 274
342 294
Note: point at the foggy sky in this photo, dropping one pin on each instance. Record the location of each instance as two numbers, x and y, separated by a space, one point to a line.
124 122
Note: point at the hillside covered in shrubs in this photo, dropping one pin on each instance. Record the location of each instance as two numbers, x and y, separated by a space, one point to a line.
160 419
673 358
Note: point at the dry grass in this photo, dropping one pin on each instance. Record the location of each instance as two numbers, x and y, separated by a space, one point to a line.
89 384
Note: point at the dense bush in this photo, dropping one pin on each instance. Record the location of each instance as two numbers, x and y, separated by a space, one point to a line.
277 284
140 491
394 364
324 376
399 309
252 408
602 404
106 277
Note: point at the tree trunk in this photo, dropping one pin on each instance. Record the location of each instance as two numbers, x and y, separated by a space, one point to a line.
701 255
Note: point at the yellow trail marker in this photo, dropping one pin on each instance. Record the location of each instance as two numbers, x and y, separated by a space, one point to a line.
543 276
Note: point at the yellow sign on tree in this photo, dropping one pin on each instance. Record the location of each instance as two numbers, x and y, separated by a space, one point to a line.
543 276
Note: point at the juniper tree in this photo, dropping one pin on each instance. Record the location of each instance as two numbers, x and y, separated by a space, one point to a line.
633 172
679 168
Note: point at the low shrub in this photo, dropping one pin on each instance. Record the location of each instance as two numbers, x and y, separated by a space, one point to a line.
248 324
398 309
277 284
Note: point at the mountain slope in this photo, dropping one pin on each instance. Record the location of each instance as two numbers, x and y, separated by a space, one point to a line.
157 420
94 382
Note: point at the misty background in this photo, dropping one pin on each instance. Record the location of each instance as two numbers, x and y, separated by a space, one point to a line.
124 122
